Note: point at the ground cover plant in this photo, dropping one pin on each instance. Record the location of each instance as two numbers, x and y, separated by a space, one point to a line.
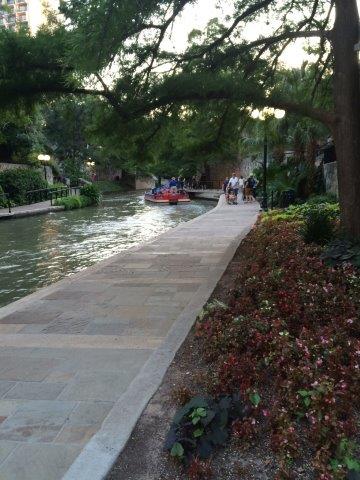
90 195
91 191
74 202
288 343
301 212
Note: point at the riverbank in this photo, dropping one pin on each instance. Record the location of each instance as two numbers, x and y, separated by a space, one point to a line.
96 345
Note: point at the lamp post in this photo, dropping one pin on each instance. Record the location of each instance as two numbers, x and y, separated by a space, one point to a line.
44 158
264 115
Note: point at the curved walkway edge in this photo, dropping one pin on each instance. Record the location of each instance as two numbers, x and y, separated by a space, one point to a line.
79 360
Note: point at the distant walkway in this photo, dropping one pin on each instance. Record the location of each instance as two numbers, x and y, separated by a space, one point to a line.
33 209
28 210
79 360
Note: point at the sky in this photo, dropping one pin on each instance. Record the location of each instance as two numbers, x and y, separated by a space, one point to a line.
197 17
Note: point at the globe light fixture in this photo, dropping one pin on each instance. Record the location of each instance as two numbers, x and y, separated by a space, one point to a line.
44 158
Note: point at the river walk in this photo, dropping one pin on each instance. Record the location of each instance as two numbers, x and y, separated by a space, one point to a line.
29 210
80 359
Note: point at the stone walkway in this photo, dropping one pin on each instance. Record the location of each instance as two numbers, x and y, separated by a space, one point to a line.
79 360
28 210
33 209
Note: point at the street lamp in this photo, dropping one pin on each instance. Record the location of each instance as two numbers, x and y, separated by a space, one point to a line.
264 115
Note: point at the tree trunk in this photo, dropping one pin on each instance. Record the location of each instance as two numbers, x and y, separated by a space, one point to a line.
347 108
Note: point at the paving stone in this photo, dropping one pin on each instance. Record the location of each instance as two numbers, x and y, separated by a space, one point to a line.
76 435
29 316
98 386
59 377
36 421
8 328
68 323
5 386
102 328
26 368
35 391
89 413
38 462
8 407
65 294
6 448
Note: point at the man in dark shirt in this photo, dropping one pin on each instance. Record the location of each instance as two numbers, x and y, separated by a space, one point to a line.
173 185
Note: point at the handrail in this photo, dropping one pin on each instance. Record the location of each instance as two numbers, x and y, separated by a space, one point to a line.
43 194
203 185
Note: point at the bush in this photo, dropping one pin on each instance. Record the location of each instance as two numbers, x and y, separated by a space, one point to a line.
92 192
74 202
2 198
301 212
19 181
319 227
202 425
319 199
291 333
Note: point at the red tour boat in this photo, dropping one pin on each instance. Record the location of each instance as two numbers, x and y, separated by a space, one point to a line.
167 197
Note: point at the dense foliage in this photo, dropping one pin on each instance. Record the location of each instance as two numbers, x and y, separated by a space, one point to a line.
91 191
290 336
17 182
90 195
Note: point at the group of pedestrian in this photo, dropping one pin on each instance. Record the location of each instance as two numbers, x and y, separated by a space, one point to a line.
234 186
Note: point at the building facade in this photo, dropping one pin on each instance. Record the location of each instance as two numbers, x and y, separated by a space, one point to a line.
27 13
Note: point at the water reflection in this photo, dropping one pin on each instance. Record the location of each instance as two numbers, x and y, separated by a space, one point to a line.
37 251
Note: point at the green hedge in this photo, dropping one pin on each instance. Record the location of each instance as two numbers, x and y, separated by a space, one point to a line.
301 212
19 181
91 191
2 198
74 202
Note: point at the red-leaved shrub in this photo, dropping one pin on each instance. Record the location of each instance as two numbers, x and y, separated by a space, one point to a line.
292 334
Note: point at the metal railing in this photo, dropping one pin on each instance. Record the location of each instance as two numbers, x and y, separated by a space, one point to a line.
203 185
44 194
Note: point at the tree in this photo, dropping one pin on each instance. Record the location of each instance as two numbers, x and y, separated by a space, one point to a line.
220 67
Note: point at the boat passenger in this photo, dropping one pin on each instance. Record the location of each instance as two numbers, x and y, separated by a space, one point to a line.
173 185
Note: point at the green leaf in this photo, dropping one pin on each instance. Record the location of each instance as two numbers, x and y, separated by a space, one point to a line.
307 401
304 393
255 399
196 420
198 432
352 464
177 450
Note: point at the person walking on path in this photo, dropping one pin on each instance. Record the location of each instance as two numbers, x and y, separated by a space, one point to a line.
225 184
248 190
234 185
241 187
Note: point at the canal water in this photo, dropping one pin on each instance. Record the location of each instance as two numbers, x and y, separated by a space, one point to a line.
38 251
